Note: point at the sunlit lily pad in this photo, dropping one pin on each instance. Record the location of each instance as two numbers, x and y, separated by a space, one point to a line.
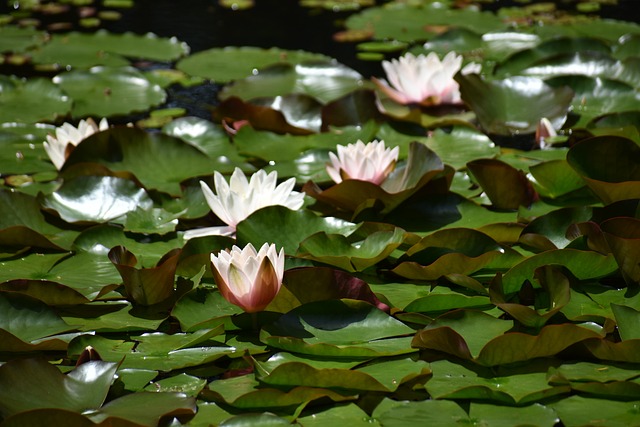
97 199
515 104
104 91
339 328
149 156
232 63
324 81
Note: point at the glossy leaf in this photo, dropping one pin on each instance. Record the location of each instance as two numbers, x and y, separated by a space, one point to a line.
145 286
608 165
515 104
305 285
335 249
268 225
32 101
231 63
338 328
324 81
96 199
29 384
149 156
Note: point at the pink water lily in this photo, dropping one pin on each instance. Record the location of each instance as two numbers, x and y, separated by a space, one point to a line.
247 278
68 136
371 162
424 79
544 130
235 201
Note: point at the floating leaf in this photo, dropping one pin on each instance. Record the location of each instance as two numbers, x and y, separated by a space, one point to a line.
145 286
324 81
304 285
29 384
338 328
232 63
335 249
269 225
33 100
96 199
81 50
609 166
149 156
103 91
515 104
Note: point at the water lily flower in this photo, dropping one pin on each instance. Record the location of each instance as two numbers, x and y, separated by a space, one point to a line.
544 130
236 200
68 136
366 162
247 278
424 79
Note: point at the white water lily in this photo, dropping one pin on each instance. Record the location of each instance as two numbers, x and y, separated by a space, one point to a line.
68 136
371 162
236 200
424 79
247 278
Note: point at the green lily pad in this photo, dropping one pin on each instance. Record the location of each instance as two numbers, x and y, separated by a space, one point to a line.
33 100
269 225
104 91
579 411
406 22
231 63
96 199
324 81
609 166
515 104
519 387
87 274
30 384
397 414
335 249
16 39
338 328
82 50
149 156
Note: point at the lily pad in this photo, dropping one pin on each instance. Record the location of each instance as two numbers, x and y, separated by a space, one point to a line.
149 156
515 104
33 100
82 50
231 63
96 199
106 91
338 328
324 81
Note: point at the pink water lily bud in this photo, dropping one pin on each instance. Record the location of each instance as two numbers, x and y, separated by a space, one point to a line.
424 79
67 137
544 130
247 278
235 201
371 162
